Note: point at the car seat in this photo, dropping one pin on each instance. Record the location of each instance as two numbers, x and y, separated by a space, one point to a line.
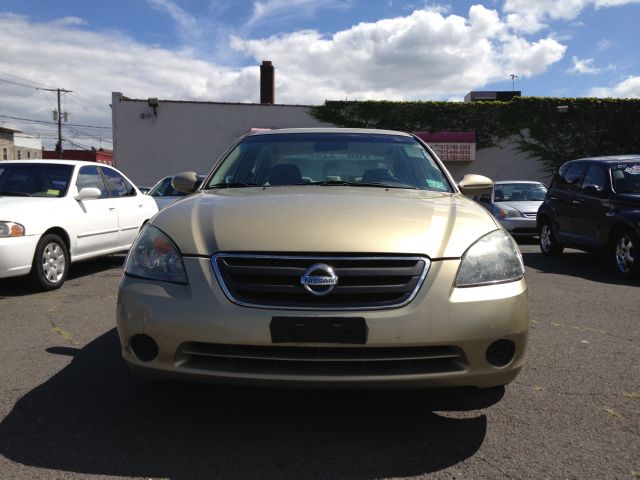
374 175
285 174
516 196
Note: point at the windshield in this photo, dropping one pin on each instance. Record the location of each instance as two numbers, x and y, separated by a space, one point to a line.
626 178
519 192
35 179
353 159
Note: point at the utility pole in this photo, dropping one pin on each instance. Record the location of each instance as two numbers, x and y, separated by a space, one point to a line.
59 91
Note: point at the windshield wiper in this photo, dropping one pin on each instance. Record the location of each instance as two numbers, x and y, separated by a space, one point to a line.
332 183
15 194
232 185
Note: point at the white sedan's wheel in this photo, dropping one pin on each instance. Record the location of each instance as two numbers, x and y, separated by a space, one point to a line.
50 263
54 262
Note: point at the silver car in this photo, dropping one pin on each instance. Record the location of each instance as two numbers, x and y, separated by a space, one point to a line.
164 194
515 204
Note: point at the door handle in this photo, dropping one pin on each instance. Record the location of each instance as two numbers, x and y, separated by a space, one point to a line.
111 209
576 202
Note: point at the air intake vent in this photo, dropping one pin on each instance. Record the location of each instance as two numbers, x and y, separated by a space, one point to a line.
329 361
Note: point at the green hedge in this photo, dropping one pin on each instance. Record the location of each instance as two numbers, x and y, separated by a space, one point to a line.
588 127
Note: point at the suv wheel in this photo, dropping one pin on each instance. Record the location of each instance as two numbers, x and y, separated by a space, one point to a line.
50 263
625 252
548 243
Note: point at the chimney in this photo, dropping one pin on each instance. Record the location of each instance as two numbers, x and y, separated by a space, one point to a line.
267 83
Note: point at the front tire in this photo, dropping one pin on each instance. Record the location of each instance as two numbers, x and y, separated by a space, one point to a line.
548 243
625 253
50 263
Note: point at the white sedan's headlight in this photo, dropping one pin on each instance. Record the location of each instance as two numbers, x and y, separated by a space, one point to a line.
154 256
495 258
11 229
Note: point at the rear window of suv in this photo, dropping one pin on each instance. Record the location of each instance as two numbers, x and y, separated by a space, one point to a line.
626 178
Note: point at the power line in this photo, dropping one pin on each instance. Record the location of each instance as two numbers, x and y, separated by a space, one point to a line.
53 123
25 79
87 135
84 105
18 83
84 147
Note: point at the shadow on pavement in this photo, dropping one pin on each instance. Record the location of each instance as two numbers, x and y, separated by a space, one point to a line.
94 417
19 286
575 263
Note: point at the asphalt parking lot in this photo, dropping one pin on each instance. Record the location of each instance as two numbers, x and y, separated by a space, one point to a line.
69 408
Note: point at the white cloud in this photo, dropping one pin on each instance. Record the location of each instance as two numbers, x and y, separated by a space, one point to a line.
628 88
95 64
583 66
286 10
421 56
604 44
424 55
528 16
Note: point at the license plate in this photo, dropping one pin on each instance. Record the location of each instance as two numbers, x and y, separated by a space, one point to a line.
319 330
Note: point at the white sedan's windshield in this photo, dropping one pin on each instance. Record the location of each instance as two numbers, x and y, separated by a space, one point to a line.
35 179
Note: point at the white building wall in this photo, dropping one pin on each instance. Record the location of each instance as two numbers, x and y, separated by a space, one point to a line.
27 141
500 163
193 135
188 135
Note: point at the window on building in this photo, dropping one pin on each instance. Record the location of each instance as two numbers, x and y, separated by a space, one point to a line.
29 155
19 154
5 153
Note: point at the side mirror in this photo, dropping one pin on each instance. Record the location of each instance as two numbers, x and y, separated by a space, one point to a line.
475 185
88 193
592 190
185 182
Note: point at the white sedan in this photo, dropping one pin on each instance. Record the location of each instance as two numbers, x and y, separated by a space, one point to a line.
54 212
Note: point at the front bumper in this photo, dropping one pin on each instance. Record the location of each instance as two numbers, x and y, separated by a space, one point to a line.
520 226
441 318
16 255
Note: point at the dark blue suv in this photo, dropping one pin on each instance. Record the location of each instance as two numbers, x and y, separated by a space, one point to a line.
593 204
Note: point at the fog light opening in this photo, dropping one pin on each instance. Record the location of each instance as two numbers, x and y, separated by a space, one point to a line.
144 347
501 352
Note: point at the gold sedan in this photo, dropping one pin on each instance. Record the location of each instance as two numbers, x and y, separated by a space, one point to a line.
326 257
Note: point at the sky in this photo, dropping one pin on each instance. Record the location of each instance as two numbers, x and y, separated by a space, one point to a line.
210 50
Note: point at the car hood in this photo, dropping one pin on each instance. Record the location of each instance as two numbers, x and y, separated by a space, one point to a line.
162 202
317 219
523 207
17 209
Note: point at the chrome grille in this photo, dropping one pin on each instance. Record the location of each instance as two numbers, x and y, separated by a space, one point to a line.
321 361
364 282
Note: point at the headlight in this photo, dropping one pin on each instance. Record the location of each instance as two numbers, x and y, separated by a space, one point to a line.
495 258
11 229
506 212
154 256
